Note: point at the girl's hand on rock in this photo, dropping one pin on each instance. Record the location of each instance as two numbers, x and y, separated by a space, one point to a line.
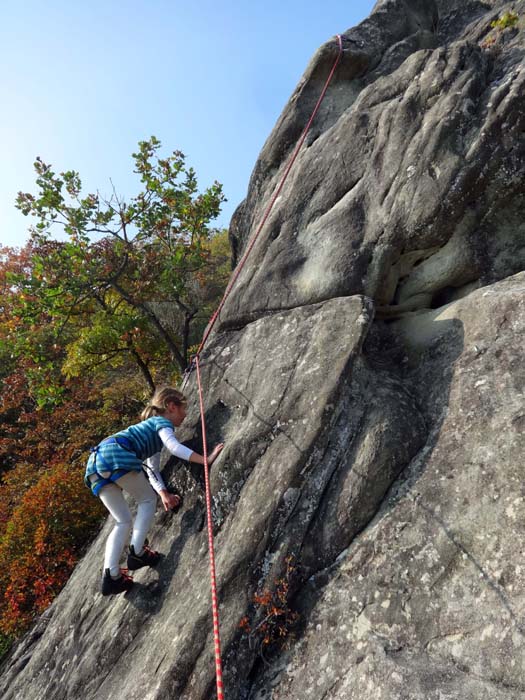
169 500
215 453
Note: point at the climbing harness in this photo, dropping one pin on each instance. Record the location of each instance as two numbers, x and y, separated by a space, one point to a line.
195 364
96 484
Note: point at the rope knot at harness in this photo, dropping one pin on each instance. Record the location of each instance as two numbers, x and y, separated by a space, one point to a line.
194 364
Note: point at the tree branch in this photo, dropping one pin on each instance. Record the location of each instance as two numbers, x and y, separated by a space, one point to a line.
174 350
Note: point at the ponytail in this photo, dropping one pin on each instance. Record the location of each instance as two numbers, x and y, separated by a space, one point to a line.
159 402
149 411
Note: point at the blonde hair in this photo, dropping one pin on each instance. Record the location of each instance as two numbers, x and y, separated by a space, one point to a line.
159 401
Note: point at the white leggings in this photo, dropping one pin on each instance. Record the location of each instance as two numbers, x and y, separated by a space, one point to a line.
136 484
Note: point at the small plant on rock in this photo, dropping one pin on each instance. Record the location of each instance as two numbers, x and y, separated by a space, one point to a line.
506 21
273 619
489 42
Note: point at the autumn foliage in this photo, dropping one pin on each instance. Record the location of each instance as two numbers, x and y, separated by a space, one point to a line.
272 620
46 513
41 544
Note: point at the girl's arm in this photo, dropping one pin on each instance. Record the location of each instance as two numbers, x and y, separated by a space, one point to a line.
199 459
173 445
151 466
168 438
167 435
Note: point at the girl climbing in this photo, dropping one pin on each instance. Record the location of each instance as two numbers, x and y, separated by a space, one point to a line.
116 465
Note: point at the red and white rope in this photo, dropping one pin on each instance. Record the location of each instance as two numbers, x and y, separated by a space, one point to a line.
214 599
215 603
269 208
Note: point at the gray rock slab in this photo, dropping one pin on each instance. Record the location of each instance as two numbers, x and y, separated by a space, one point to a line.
428 601
278 392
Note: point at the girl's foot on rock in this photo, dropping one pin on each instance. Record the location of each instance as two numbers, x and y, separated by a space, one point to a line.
120 584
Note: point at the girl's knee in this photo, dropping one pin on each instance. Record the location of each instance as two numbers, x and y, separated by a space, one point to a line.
124 523
150 500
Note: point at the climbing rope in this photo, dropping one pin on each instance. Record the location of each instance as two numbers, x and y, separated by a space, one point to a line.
195 362
272 201
214 599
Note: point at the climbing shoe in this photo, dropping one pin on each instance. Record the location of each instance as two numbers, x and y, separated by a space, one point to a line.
110 585
147 558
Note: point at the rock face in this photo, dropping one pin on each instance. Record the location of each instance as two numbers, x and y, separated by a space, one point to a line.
428 601
367 379
410 187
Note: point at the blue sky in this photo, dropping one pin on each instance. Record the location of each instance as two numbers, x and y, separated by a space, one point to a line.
82 83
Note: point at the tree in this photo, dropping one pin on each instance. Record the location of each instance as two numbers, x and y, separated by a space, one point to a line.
121 262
